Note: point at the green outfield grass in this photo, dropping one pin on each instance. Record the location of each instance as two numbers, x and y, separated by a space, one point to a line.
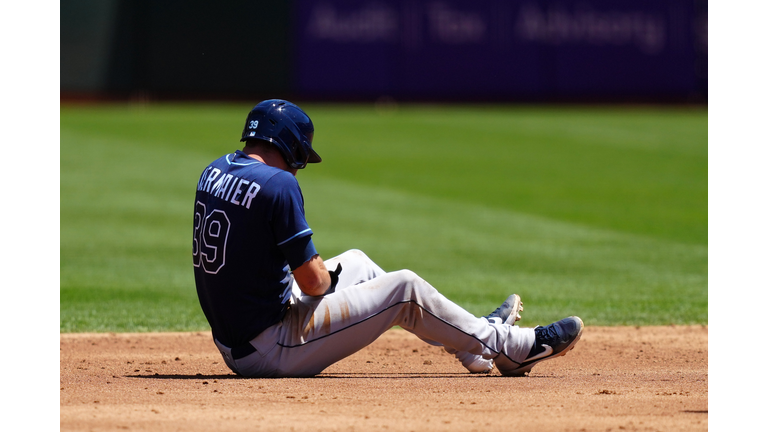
599 212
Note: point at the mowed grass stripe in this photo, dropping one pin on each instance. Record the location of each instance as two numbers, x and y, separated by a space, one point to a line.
642 171
478 255
127 189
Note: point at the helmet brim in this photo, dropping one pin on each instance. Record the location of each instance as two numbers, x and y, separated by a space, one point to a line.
314 157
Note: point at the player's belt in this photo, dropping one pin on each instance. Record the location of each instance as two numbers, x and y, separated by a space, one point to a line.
242 351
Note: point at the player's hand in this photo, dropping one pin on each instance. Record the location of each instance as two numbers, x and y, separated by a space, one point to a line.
334 279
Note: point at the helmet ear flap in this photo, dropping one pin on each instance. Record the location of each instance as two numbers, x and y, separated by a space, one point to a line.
302 157
296 145
299 155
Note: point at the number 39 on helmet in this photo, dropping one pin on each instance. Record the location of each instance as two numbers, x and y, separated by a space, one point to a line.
286 126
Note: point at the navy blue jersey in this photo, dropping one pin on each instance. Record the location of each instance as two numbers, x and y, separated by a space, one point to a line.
249 231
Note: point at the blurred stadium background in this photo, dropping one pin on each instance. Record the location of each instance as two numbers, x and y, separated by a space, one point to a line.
404 50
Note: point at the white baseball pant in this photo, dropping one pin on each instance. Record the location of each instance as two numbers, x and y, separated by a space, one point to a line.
319 331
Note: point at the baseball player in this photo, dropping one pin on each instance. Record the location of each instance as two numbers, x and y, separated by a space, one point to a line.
277 309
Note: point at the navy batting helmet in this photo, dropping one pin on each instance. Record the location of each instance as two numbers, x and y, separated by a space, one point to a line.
286 126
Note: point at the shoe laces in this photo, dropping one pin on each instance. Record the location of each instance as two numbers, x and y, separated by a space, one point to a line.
496 313
547 335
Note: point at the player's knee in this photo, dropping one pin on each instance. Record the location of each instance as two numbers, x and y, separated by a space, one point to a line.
407 276
356 254
362 261
408 280
360 256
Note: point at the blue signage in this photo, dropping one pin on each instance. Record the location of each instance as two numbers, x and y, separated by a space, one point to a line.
500 49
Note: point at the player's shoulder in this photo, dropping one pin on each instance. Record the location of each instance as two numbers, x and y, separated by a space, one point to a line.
282 177
221 161
280 184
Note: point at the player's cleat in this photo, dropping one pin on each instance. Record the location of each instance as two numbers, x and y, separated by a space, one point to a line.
508 312
551 341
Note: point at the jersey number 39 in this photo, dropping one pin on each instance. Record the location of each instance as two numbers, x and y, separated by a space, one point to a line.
209 244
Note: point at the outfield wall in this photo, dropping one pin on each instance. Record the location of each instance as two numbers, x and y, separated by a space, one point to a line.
175 48
529 50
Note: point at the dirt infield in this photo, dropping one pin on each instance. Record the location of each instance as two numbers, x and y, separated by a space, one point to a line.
616 379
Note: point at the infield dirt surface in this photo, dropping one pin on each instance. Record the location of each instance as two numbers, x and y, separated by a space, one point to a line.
615 379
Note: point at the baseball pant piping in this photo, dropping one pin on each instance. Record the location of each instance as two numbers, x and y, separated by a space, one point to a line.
358 268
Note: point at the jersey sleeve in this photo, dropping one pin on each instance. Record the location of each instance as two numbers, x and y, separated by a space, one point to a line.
298 251
289 224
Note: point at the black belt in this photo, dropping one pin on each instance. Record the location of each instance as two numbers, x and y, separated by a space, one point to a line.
241 351
247 349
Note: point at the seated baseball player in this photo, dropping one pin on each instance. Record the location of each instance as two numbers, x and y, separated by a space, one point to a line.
277 309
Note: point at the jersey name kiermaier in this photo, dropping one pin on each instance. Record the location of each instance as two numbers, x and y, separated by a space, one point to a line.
248 216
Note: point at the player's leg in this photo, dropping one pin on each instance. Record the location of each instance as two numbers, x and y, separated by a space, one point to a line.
357 267
318 332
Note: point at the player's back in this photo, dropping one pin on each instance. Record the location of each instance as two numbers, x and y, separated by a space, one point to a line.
242 278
